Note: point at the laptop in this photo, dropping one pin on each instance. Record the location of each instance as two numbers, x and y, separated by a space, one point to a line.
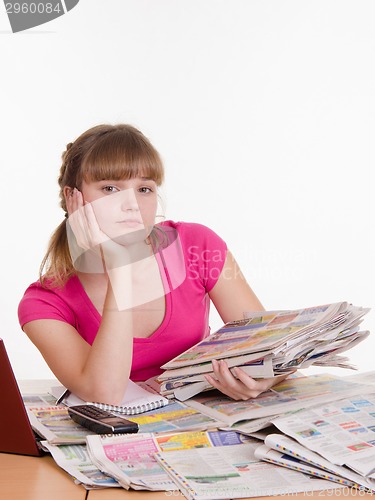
16 433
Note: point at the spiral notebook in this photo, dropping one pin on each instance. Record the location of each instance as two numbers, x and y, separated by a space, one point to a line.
136 400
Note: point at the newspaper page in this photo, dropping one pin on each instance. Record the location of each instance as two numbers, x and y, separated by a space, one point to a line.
175 417
343 432
232 471
129 458
291 453
54 424
75 460
362 378
290 395
38 400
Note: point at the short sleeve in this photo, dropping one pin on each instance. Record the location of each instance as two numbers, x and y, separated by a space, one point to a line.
205 252
42 303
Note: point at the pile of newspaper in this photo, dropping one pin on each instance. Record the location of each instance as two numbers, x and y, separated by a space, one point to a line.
329 447
326 448
203 448
268 343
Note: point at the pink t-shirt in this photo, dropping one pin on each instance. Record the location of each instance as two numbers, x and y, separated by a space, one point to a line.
190 259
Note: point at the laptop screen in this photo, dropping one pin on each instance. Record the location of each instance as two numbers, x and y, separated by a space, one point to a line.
16 433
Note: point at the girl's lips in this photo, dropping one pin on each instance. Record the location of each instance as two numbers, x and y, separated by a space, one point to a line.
131 222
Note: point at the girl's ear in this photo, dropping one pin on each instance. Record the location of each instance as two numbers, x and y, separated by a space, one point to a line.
67 191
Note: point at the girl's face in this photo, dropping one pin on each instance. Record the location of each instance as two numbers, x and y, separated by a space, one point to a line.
122 207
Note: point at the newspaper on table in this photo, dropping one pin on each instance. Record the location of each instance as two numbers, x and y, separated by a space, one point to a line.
286 452
268 343
129 458
75 460
250 427
362 378
342 432
175 417
231 470
54 424
38 400
288 396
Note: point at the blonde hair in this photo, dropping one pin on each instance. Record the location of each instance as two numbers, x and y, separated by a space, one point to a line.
116 152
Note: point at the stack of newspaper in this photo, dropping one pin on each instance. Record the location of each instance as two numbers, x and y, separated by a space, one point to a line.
268 343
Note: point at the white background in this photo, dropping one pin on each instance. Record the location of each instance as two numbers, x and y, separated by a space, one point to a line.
263 111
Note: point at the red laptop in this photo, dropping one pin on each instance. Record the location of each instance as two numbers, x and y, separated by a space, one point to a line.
16 433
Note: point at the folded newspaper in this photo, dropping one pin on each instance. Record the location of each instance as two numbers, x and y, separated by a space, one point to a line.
230 469
286 452
268 343
130 458
342 432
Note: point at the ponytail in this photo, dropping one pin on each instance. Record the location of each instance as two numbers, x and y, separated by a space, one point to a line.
57 267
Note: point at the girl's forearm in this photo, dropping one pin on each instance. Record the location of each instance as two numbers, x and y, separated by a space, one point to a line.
108 364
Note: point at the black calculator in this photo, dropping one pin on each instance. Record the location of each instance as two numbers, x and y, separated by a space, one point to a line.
101 421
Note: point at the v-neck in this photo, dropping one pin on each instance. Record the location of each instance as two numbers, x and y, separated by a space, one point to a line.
168 300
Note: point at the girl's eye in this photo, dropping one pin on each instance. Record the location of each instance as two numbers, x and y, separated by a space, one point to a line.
145 190
109 189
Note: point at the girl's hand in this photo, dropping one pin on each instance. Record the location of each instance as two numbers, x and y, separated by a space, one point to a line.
90 248
243 387
83 223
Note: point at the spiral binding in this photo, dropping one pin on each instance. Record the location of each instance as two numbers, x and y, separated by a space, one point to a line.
133 410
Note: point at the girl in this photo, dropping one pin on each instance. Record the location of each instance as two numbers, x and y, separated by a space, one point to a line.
119 295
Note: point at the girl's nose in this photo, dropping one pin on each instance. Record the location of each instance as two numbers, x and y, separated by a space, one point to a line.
129 200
